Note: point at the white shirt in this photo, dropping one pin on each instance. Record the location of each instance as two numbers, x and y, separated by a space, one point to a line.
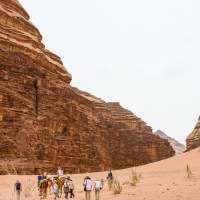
60 172
49 176
88 184
97 184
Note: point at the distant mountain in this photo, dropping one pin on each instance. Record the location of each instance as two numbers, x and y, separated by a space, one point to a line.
178 147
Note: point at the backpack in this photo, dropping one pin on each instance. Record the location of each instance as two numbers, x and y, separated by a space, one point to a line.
110 175
66 184
66 187
18 186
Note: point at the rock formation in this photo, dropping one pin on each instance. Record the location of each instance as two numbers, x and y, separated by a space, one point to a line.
46 123
193 139
19 35
178 147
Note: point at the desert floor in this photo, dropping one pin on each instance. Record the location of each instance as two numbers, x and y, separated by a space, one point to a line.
166 179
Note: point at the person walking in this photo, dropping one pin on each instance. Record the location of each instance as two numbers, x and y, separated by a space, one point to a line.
71 189
55 189
97 188
66 188
88 187
18 189
39 179
102 183
110 179
110 175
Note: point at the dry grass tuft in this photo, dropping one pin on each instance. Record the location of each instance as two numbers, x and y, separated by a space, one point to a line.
188 171
116 186
134 177
28 187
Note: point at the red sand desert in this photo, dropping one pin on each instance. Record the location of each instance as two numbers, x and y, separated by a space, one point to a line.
166 179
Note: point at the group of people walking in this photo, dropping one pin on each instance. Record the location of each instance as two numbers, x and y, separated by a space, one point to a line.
98 185
68 185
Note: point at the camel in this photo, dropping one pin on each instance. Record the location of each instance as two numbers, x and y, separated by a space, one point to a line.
43 188
60 182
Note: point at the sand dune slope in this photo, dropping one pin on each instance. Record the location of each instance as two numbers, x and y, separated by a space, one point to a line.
166 179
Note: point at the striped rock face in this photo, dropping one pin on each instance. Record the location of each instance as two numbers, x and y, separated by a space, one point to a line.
46 123
18 34
193 139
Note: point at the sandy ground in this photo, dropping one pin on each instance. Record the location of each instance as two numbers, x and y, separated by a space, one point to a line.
166 179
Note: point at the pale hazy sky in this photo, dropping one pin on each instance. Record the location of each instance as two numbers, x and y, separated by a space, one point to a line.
144 54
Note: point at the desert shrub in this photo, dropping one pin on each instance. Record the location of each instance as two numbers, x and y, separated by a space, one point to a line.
9 168
134 177
116 186
188 171
28 187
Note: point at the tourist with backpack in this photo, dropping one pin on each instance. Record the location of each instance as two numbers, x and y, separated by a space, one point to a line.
39 179
66 188
71 188
110 175
110 179
18 189
87 186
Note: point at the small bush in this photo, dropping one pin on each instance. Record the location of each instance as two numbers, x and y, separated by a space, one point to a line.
28 187
134 178
189 172
116 186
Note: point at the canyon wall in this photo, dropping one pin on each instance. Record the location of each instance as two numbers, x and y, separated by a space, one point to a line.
193 139
46 123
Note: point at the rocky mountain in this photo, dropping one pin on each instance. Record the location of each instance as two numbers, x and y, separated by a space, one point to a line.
193 139
178 147
46 123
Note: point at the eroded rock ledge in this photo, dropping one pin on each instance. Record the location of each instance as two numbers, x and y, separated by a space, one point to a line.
17 34
193 139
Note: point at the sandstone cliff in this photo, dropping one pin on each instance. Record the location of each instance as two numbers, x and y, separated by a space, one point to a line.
193 139
45 122
178 147
19 35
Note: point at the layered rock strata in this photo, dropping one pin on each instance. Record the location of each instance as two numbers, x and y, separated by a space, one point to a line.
46 123
177 146
19 35
193 139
